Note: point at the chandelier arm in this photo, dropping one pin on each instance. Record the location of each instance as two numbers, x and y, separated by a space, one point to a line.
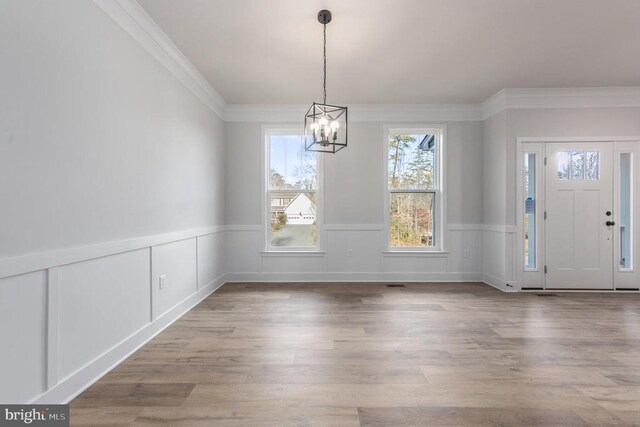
324 53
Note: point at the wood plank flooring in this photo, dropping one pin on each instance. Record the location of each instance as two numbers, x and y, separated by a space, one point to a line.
355 354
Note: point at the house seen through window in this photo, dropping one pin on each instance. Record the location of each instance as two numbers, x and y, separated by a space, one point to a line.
291 193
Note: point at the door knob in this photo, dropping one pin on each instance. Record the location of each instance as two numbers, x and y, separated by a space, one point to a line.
610 223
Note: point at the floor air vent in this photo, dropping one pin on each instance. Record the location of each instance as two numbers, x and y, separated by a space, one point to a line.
395 285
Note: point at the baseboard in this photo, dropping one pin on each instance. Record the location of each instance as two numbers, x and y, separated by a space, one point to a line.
355 277
499 283
76 383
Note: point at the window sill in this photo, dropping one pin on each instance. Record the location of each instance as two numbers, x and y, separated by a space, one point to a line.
425 254
301 254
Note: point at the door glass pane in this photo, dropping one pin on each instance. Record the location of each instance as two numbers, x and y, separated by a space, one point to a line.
293 219
625 216
577 165
530 210
411 219
592 165
564 161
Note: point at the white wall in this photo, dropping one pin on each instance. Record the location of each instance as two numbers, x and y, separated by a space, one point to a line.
354 211
111 174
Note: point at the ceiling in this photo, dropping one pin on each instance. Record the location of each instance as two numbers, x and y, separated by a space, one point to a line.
403 51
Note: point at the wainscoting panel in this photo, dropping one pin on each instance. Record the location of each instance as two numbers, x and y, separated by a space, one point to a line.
498 257
414 264
81 311
101 302
292 263
212 258
354 251
177 262
243 248
23 308
464 250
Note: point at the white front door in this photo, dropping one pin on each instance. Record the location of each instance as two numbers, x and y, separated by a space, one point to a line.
579 220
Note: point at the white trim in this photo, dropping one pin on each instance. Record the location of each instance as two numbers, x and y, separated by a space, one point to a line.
136 22
43 260
358 112
499 283
79 381
52 328
495 228
414 254
288 129
142 28
376 277
505 99
466 227
537 98
243 227
440 224
292 254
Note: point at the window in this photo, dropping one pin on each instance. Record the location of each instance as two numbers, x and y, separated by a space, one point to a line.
625 217
292 213
530 210
578 165
414 188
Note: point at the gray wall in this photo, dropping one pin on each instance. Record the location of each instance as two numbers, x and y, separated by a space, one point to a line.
99 142
566 122
354 177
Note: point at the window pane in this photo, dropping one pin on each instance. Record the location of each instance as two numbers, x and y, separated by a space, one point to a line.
625 211
592 169
293 220
411 161
564 160
291 167
530 210
411 219
577 165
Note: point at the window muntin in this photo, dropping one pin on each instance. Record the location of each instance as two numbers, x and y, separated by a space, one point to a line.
414 188
292 193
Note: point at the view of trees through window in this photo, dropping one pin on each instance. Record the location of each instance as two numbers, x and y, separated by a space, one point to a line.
412 186
292 192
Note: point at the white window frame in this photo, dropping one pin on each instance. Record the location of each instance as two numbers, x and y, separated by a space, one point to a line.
267 132
440 212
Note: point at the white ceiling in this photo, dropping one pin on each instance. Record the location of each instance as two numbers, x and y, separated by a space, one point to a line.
403 51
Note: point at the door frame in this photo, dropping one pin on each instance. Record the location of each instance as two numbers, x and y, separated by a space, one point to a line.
534 279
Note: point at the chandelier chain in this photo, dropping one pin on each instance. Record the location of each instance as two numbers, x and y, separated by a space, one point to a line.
324 53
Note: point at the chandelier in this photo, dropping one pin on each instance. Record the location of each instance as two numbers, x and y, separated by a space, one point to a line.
325 125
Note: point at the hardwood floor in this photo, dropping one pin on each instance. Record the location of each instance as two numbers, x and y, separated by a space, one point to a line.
370 355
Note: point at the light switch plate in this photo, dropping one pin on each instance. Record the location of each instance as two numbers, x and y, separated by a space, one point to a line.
163 281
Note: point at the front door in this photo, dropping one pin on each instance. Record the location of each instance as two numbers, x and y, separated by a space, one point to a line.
579 220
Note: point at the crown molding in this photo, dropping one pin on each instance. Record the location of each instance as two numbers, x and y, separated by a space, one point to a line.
133 19
141 27
358 112
598 97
